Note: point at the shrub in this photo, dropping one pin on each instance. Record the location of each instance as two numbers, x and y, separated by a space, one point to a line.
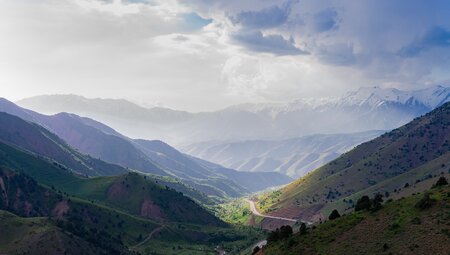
281 233
363 203
285 232
302 229
377 201
425 202
334 215
441 182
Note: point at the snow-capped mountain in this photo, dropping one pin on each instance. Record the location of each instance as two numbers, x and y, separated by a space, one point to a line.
369 97
368 108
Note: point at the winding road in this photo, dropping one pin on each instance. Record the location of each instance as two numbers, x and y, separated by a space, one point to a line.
255 212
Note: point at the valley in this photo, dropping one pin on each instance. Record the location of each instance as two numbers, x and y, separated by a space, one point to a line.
62 173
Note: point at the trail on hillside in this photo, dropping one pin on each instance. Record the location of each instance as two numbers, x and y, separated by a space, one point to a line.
156 230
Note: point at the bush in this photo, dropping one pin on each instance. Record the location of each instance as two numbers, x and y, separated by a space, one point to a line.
285 232
425 202
280 234
363 203
302 230
377 201
441 182
334 215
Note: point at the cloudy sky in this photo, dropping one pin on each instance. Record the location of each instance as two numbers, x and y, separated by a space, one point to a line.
201 55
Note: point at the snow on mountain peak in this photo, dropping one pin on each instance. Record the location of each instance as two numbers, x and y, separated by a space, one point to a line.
365 96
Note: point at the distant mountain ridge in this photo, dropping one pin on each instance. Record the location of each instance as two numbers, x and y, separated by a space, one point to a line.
154 157
294 157
366 109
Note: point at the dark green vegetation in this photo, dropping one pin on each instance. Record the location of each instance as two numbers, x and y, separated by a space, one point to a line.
114 214
399 160
39 236
279 234
130 192
419 224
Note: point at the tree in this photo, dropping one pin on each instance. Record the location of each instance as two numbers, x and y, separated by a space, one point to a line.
334 215
302 230
441 182
285 232
425 202
273 236
377 201
363 203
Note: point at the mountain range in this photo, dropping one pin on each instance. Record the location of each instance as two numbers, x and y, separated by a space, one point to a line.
152 157
369 108
46 208
82 186
294 157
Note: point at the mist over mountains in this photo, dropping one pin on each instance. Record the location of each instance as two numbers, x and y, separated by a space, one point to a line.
369 108
294 157
146 156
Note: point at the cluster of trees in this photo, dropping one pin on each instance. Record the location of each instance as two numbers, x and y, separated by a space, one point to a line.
282 233
365 203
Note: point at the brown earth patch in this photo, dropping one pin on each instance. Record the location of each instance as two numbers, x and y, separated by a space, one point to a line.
311 213
150 210
272 224
61 209
117 190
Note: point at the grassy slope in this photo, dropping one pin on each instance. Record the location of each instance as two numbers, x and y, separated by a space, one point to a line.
93 138
106 226
39 236
127 192
37 139
404 229
98 140
389 156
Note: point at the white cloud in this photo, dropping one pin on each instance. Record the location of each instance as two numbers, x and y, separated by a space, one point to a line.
207 54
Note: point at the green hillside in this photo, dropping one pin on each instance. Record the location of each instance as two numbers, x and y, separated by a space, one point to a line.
111 229
36 139
412 153
39 236
130 192
403 226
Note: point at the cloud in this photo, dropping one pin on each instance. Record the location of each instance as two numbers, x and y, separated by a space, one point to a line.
175 51
435 37
270 17
340 54
194 22
325 20
275 44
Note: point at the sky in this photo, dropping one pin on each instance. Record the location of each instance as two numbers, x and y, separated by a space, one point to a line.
203 55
